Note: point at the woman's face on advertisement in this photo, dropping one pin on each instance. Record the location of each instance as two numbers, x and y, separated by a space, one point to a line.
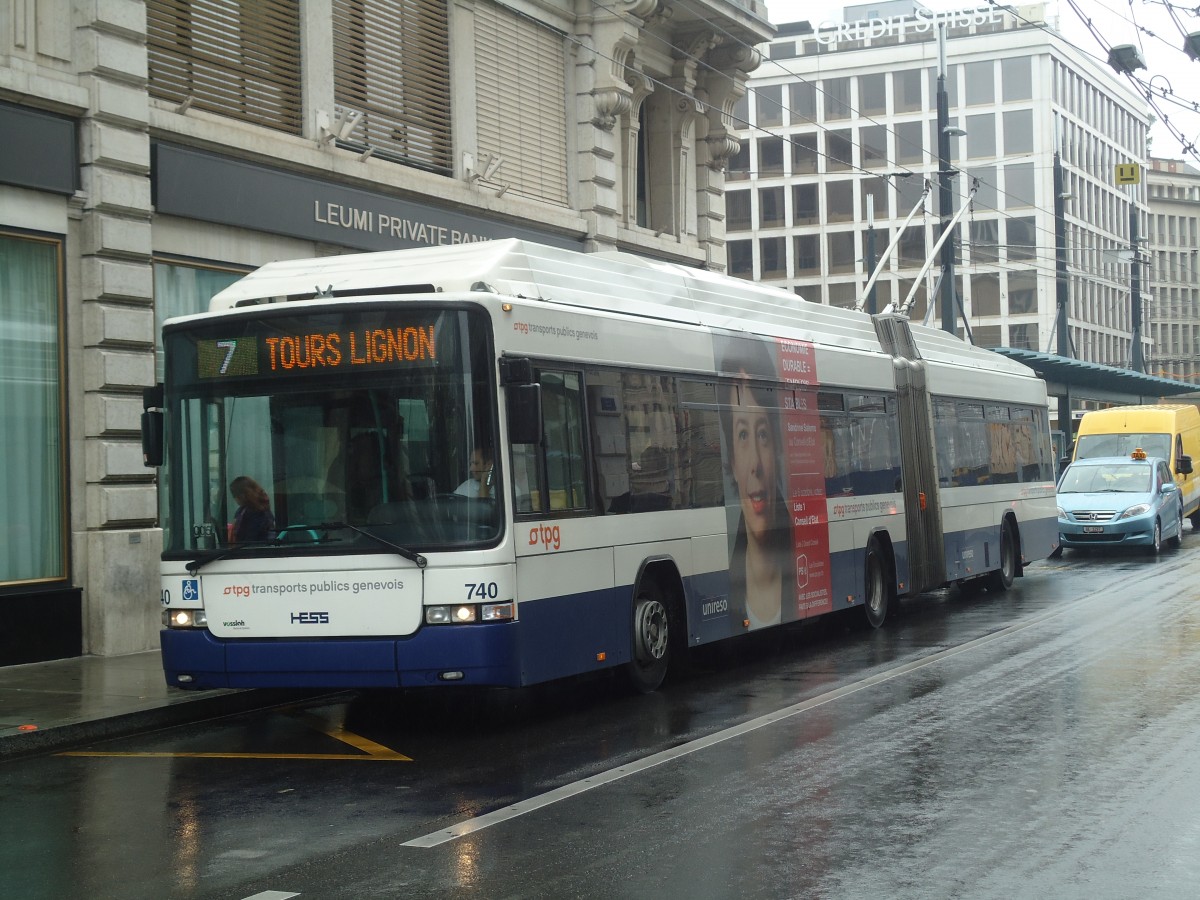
753 462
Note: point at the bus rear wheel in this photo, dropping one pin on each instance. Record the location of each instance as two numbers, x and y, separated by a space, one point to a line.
876 591
651 640
1001 579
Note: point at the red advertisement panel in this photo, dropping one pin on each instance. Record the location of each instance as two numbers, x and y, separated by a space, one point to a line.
805 481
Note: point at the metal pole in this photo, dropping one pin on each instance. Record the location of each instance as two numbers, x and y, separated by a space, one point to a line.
945 197
1061 285
1135 287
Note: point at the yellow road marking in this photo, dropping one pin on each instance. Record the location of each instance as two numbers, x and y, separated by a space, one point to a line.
371 751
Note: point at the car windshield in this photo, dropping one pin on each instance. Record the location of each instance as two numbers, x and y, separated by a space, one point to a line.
1122 478
1093 446
348 431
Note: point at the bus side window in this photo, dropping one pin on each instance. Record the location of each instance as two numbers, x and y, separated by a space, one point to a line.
557 480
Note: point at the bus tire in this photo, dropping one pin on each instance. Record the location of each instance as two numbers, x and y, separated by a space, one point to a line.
651 625
876 588
1001 579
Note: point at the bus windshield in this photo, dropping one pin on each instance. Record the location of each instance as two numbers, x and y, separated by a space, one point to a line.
357 430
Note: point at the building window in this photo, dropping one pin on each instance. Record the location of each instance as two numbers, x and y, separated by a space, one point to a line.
741 258
770 207
1016 79
1023 238
1018 131
520 107
1023 337
770 156
804 154
906 86
773 255
32 489
842 257
908 142
1022 293
874 146
840 151
985 241
768 105
803 101
837 98
986 335
1018 185
184 289
911 249
807 249
839 200
228 57
872 94
985 296
739 164
874 189
981 136
981 85
805 206
737 211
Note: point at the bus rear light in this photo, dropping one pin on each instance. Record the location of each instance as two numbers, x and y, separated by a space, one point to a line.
499 612
185 618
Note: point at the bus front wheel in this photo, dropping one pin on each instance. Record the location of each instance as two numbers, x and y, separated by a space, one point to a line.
651 640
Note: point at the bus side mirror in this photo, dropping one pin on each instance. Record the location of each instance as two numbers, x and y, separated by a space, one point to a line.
152 426
524 413
1183 465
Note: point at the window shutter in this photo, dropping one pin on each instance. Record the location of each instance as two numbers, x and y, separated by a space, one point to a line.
392 64
520 97
236 58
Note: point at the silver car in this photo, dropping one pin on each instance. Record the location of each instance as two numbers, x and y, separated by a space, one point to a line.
1119 501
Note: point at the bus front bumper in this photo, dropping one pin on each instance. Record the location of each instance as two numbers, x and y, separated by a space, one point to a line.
435 655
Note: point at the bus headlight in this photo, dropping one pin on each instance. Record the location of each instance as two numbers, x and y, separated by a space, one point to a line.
467 614
450 615
185 618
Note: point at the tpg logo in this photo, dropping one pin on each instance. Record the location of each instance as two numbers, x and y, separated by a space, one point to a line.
310 618
546 535
238 590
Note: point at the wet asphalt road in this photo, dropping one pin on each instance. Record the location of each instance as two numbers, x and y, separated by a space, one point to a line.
1039 743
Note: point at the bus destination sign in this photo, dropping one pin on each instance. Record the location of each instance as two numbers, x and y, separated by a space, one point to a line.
292 354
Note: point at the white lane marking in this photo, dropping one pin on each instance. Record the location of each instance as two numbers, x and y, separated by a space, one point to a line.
470 826
273 895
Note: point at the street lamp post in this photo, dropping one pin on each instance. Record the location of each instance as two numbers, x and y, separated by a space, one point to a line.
945 195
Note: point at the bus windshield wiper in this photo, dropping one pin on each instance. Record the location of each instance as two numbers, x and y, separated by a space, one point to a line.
232 550
402 551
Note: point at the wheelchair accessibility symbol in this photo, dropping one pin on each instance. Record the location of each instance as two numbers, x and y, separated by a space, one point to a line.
191 589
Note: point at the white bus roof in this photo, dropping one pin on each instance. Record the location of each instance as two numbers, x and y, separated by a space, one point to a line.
612 281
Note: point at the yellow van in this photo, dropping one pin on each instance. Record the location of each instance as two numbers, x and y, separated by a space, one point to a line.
1167 430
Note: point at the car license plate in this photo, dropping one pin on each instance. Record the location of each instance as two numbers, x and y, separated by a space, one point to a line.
1093 529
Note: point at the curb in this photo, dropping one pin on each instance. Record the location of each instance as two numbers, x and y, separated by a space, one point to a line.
60 737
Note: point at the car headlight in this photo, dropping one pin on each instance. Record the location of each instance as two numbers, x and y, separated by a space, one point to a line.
1062 513
1139 510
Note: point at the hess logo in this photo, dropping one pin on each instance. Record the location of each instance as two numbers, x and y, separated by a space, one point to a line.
310 618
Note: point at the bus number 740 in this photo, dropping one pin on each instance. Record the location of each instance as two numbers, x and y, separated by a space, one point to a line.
482 591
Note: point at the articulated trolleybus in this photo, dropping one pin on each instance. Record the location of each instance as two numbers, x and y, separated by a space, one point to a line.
504 463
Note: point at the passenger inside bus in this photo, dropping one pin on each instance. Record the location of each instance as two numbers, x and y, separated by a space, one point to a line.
479 481
253 520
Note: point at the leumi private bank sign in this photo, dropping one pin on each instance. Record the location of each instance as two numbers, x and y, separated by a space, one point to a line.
923 21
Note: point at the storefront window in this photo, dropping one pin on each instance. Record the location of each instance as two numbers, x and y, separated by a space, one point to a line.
32 494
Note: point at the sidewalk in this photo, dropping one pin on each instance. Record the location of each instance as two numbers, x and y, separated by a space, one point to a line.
51 705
